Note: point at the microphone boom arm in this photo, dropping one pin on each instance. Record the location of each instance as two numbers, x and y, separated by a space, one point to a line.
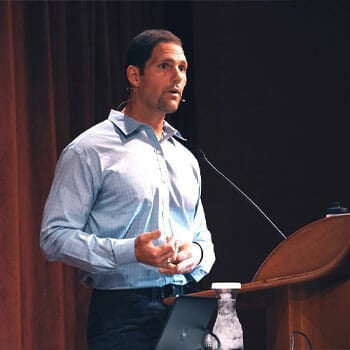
202 156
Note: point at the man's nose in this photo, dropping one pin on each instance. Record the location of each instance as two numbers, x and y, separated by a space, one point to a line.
179 76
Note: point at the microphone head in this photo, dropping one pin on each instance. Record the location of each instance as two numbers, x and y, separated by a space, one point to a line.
199 154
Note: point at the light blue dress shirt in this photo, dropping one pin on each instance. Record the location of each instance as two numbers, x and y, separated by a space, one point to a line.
113 182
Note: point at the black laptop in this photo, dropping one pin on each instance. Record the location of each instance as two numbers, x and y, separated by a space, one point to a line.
187 323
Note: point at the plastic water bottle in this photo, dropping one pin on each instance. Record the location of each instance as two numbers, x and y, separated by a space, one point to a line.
227 330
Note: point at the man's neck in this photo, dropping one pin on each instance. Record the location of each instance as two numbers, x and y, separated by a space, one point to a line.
155 120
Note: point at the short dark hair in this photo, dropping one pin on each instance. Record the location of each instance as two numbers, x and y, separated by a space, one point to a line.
141 46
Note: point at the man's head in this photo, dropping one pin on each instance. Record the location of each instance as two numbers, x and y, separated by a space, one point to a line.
156 71
141 47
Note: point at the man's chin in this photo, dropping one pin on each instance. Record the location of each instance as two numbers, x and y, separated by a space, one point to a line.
170 108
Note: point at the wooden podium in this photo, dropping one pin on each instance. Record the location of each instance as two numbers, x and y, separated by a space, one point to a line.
303 288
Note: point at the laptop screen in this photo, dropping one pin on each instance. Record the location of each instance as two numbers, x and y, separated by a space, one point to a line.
187 323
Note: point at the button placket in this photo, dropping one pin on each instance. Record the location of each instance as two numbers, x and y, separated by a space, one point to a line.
163 193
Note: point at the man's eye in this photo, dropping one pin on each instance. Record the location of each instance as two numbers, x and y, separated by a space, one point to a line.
164 65
183 68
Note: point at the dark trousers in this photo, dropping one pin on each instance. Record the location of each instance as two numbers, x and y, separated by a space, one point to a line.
127 319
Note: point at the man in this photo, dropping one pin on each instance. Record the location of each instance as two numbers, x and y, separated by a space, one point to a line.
125 207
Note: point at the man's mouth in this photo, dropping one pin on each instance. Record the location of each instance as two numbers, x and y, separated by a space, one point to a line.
176 92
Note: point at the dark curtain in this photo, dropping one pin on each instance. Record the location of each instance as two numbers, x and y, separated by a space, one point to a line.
60 71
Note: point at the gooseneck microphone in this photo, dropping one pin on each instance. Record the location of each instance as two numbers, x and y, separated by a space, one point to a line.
200 155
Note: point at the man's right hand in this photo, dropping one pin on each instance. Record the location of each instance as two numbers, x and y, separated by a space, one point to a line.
148 253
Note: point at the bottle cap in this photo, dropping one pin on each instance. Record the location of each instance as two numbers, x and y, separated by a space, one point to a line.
226 285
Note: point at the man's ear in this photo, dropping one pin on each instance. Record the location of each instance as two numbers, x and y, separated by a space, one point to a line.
133 75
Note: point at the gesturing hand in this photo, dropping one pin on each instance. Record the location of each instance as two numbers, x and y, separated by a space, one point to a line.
148 253
187 258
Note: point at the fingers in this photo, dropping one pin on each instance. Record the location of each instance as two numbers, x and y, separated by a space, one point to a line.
156 255
186 259
172 257
145 251
174 245
185 266
150 236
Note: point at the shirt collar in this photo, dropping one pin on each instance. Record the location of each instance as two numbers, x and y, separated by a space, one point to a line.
128 125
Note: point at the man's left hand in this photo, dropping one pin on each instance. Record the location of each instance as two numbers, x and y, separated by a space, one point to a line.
187 258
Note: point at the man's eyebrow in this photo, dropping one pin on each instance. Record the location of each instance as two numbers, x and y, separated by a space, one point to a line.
172 60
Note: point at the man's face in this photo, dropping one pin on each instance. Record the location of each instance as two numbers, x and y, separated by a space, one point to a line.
164 78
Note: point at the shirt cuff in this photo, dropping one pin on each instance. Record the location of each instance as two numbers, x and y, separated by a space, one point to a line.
124 251
197 274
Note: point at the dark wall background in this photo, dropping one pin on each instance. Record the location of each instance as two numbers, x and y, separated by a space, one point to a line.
272 112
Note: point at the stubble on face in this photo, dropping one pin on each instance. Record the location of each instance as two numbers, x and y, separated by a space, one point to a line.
167 106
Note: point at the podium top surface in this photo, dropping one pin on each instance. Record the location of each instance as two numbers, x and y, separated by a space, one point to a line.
311 252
